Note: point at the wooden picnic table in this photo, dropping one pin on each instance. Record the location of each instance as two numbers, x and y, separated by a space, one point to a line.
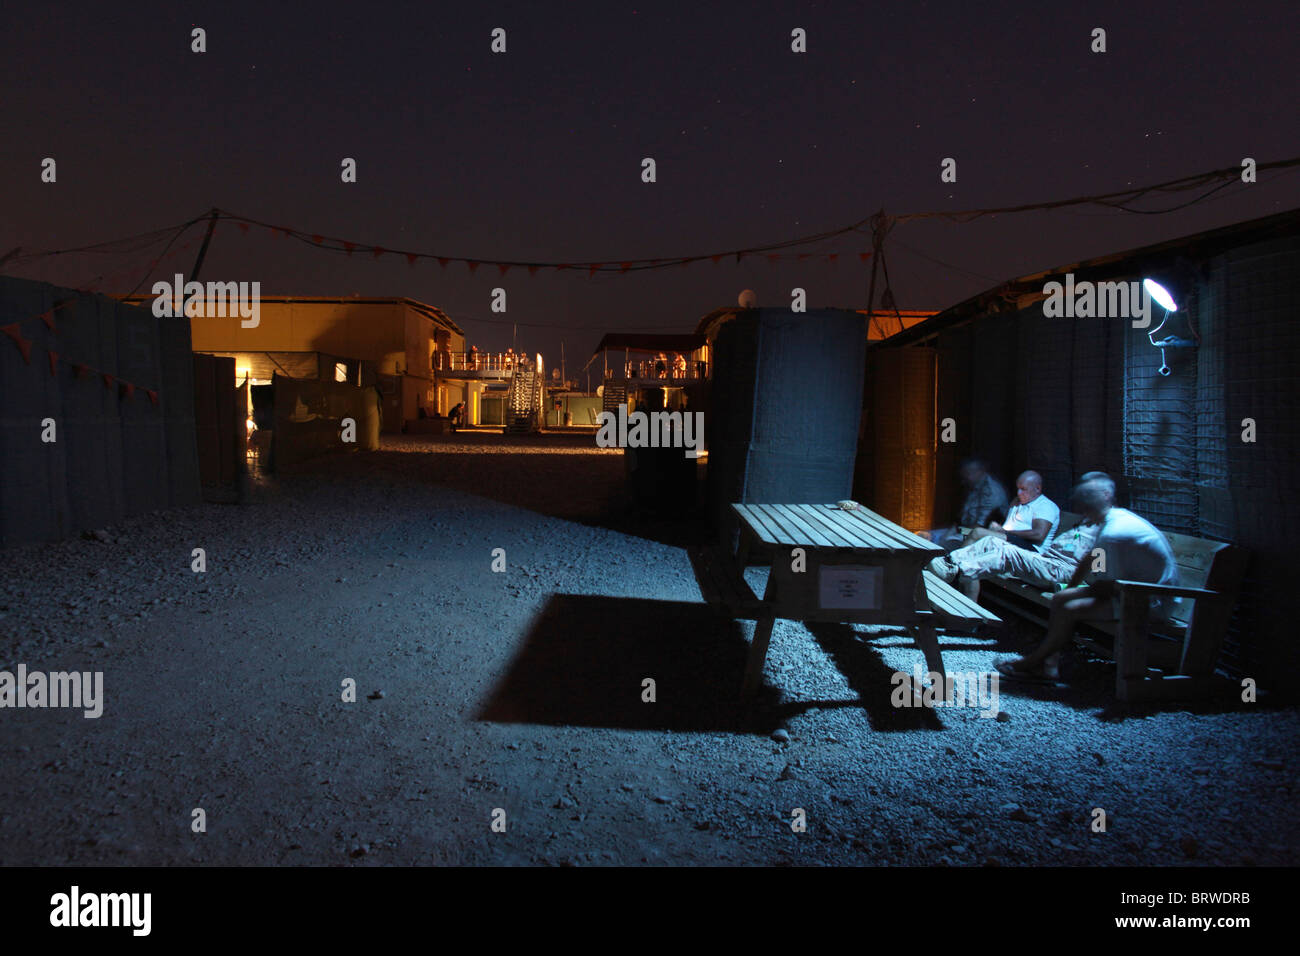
829 564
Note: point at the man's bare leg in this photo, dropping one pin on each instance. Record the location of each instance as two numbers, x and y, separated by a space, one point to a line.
1069 607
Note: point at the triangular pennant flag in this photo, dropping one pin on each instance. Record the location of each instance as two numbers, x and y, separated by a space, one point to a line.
48 319
317 239
80 370
624 266
153 396
108 379
410 258
349 246
379 251
591 269
864 256
243 227
803 256
532 270
54 361
504 267
833 257
442 261
127 389
716 259
473 266
24 345
563 265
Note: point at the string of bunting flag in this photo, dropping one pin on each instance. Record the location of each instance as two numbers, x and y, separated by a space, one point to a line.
1119 200
349 246
879 224
83 370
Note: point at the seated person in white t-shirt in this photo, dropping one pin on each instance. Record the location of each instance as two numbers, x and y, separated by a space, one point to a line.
1133 549
1030 526
1032 519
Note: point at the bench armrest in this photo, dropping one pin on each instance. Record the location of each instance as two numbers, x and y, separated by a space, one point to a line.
1169 590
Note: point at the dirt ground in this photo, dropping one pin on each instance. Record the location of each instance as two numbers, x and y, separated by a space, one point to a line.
521 692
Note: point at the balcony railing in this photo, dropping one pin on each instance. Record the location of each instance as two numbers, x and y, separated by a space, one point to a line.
668 370
502 363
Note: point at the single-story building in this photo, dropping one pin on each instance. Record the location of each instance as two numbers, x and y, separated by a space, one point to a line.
409 344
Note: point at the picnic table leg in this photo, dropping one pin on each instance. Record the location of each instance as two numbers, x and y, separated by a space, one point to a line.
762 635
927 642
757 655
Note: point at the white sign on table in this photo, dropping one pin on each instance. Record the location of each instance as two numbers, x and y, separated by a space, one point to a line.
850 587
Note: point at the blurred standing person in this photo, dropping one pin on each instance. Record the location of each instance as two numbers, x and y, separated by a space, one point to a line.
986 499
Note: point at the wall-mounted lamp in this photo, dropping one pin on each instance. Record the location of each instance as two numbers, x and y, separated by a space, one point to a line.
1161 296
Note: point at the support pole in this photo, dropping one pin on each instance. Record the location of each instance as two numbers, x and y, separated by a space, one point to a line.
203 249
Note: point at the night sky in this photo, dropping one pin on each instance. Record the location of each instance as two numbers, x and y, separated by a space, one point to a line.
536 154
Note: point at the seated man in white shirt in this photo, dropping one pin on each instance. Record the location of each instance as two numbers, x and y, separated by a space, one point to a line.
1029 528
1032 519
1131 548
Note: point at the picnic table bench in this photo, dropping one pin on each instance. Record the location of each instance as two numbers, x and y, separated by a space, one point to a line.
1171 658
832 565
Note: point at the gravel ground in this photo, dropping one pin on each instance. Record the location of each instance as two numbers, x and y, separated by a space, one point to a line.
521 692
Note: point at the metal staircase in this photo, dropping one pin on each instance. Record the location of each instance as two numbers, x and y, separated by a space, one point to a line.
613 395
524 404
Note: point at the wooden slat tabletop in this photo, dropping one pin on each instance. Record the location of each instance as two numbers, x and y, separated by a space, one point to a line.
827 526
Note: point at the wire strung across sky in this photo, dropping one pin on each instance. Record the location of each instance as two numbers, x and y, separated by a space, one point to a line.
1121 200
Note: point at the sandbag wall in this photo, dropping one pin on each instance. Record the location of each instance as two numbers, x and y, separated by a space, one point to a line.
116 384
309 418
784 406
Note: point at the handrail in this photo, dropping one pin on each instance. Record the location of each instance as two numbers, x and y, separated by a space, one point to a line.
650 368
478 361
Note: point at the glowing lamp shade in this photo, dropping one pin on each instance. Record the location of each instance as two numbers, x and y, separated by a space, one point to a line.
1160 294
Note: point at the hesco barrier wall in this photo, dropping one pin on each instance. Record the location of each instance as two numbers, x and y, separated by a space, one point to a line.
219 421
117 383
901 422
785 401
309 419
584 410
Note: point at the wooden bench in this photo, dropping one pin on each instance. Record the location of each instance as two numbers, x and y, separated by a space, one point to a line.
952 609
1173 658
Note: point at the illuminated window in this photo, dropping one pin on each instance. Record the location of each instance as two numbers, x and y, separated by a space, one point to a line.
340 371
